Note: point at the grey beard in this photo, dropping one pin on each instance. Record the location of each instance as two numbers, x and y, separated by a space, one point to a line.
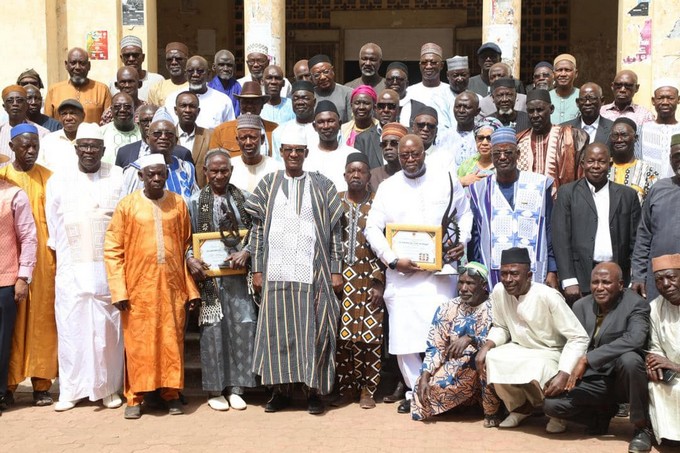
416 174
368 73
223 77
505 111
78 80
196 86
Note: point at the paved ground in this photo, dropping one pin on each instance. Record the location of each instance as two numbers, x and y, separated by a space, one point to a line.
91 428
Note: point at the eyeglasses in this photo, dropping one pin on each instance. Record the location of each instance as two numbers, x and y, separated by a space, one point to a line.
88 147
627 86
15 100
196 71
252 61
386 106
293 150
481 138
616 136
394 79
591 99
425 124
503 152
411 155
159 134
325 72
171 59
390 143
134 55
119 107
471 271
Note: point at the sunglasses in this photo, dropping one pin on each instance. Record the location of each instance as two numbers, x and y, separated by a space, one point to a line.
471 271
386 105
390 143
423 125
481 138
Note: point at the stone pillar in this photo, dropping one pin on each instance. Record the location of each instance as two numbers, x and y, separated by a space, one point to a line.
264 22
502 24
148 33
648 43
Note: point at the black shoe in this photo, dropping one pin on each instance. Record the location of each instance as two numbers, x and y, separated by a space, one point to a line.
642 441
133 412
175 407
315 405
397 395
277 402
6 400
404 407
42 398
623 410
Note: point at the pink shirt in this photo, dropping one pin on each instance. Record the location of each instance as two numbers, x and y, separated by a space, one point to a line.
635 112
25 234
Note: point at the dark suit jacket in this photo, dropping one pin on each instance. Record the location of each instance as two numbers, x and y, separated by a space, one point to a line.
368 142
199 149
604 127
130 153
624 329
574 224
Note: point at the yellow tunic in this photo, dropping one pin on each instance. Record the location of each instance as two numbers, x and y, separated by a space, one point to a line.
144 255
34 343
94 96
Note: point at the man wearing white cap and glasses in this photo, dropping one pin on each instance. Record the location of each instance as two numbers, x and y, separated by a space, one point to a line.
80 201
131 54
257 59
655 136
144 253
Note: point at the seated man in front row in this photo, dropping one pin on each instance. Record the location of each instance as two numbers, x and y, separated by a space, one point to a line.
663 359
534 343
613 369
448 377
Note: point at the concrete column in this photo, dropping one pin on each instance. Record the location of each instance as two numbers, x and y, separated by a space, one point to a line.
648 43
264 22
502 24
148 33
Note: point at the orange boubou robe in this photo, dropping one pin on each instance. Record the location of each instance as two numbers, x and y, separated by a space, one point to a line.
144 255
34 343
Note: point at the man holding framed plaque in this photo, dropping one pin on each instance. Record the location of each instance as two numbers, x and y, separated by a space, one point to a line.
227 316
412 206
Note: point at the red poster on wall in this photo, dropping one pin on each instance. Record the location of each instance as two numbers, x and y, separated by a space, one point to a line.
98 45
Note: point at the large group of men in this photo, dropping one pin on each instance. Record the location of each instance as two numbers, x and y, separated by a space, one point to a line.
559 217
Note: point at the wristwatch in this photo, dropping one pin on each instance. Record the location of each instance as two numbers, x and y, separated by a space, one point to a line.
393 264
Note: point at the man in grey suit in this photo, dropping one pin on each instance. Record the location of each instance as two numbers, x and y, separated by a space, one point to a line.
613 368
593 220
589 101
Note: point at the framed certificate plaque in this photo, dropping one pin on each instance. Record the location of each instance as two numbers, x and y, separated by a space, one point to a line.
210 248
422 244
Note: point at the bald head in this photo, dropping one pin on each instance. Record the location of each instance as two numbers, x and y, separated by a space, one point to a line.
301 71
197 73
590 87
610 267
624 87
127 81
78 66
498 70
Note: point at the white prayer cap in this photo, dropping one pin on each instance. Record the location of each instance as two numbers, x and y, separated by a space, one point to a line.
130 40
292 136
162 115
457 62
665 82
256 47
89 130
151 159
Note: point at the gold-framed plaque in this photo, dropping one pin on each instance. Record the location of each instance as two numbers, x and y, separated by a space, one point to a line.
422 244
210 248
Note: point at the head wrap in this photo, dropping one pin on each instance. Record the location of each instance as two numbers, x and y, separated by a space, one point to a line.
293 136
675 139
396 129
365 89
33 74
9 89
563 57
539 95
481 269
628 121
504 135
252 90
23 128
431 47
356 157
426 110
256 47
457 62
249 121
325 106
488 121
506 82
661 263
665 82
316 59
544 64
162 115
89 130
397 65
151 159
130 40
181 47
302 85
515 255
489 46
